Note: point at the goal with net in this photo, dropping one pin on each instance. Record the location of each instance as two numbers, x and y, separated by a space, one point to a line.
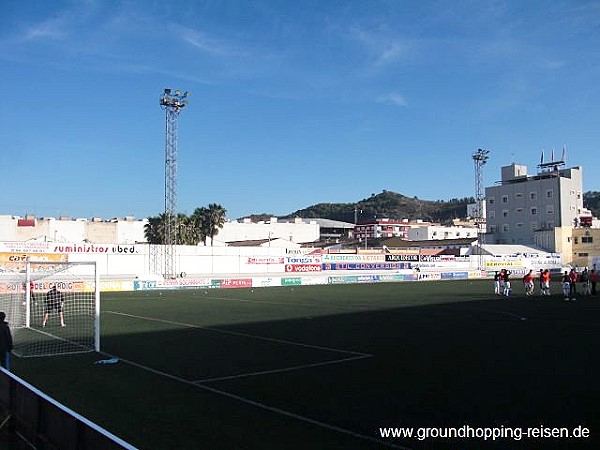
53 308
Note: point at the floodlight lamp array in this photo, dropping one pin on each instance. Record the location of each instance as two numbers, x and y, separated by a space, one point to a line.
481 156
177 100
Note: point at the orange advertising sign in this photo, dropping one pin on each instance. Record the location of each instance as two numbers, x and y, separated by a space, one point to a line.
15 262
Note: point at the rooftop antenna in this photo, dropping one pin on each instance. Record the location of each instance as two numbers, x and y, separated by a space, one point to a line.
553 165
172 103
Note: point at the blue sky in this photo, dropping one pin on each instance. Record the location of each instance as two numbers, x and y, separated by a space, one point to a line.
291 104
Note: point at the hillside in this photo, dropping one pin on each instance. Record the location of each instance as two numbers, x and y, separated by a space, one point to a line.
591 200
397 206
390 205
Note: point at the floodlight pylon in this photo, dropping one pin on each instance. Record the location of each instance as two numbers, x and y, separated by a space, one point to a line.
480 157
172 103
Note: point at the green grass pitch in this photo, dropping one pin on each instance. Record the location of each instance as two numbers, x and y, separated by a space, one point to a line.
325 367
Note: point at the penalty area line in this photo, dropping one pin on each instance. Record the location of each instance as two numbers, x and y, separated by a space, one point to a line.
281 370
245 335
263 406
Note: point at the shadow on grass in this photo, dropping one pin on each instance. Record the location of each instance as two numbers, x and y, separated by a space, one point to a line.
466 359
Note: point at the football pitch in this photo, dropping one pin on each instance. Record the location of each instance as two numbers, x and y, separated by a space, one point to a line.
337 367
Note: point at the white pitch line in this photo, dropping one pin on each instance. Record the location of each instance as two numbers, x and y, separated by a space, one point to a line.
344 308
285 369
494 311
273 409
504 313
246 335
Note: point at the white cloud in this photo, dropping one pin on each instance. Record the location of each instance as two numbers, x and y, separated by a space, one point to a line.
393 99
52 29
383 48
204 42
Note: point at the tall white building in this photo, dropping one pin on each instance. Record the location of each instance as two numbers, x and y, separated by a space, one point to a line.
522 206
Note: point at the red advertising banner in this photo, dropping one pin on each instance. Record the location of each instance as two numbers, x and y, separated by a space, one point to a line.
303 267
236 283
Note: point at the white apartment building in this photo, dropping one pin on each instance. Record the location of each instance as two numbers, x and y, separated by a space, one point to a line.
65 229
522 206
436 232
297 230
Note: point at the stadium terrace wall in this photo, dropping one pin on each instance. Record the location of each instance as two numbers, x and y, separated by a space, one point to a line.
38 421
129 267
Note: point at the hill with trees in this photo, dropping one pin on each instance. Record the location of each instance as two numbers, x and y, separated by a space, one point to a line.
389 205
396 206
591 201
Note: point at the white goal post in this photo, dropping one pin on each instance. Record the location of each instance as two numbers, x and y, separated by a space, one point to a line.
53 308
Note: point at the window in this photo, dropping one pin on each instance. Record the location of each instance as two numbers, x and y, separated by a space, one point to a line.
519 195
519 225
491 200
505 228
575 240
533 211
492 228
505 199
519 210
550 209
505 213
532 195
587 239
582 254
492 214
550 193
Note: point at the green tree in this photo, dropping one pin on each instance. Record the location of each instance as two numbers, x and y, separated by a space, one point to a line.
154 230
187 232
209 220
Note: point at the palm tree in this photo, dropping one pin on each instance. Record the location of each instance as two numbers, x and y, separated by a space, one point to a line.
202 224
216 220
154 230
209 220
186 233
197 222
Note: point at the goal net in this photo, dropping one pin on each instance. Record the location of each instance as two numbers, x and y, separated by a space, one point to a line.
53 308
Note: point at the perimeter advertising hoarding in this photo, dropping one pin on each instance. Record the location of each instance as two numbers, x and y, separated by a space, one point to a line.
44 286
302 268
141 285
54 247
291 281
266 260
367 266
16 262
454 275
403 257
266 281
182 282
352 258
314 280
232 283
305 259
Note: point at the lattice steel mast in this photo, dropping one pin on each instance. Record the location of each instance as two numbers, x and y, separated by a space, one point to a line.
172 103
480 157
